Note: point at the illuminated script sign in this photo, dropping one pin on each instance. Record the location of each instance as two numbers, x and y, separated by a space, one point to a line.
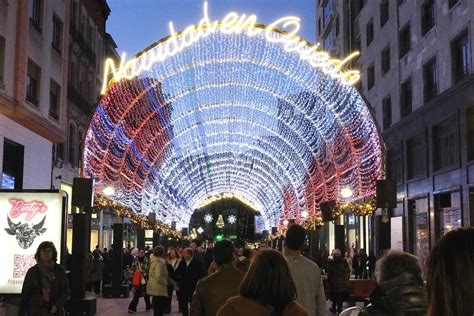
232 23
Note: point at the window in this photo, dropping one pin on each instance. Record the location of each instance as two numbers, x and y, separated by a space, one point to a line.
72 145
427 16
329 40
57 34
370 77
430 80
445 144
369 28
384 13
405 40
337 25
405 98
60 152
394 165
452 3
416 156
327 12
387 112
54 99
33 83
2 60
461 56
13 163
385 56
319 26
470 133
35 10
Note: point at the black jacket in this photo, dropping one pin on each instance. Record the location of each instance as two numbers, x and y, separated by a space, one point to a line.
338 275
400 296
188 276
30 302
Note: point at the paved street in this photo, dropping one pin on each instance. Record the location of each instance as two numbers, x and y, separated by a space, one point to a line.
119 306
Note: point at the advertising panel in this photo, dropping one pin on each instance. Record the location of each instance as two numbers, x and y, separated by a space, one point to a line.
26 220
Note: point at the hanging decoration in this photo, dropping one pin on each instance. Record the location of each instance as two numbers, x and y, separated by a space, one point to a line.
208 218
233 107
220 222
231 219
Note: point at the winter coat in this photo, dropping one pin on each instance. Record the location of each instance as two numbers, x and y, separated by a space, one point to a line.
213 291
30 301
157 277
97 269
242 306
188 276
338 276
401 296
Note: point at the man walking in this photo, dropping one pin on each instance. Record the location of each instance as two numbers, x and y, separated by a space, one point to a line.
213 291
306 274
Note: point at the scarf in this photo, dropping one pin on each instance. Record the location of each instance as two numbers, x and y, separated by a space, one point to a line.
46 277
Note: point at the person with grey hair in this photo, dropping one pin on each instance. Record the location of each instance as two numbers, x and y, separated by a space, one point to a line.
399 289
338 280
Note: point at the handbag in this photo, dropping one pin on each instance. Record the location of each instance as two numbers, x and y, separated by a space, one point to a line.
138 278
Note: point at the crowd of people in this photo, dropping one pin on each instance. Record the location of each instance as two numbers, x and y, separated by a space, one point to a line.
224 281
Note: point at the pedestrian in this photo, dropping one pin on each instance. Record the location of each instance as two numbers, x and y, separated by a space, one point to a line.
359 264
450 274
371 264
140 265
338 281
45 288
172 263
399 289
157 285
213 291
107 268
189 272
97 270
305 273
267 289
348 258
209 255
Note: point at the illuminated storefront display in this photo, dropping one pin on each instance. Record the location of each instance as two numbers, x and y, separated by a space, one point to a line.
238 108
26 220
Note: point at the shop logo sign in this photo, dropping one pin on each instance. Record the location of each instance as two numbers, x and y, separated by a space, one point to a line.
26 233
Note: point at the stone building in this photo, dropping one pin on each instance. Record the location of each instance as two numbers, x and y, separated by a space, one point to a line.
416 64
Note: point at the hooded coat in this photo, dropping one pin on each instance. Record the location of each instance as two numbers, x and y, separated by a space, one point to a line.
403 295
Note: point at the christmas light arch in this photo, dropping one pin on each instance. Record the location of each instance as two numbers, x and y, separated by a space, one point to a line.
237 109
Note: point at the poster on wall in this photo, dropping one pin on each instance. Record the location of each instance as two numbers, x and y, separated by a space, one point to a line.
26 220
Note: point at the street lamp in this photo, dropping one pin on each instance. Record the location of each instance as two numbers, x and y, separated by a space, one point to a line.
346 193
108 191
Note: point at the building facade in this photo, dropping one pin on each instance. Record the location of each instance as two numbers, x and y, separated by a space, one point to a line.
51 65
416 65
33 82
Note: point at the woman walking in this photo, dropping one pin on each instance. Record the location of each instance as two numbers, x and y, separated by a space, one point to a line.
158 281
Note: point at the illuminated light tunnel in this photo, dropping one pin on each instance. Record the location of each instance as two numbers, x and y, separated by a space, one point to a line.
233 113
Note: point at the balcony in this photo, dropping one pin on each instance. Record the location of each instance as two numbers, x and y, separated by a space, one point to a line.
79 100
86 50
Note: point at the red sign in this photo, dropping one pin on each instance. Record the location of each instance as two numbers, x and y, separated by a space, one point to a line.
20 206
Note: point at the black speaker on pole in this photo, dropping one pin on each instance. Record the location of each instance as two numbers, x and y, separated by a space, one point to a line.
386 194
152 219
274 230
80 245
184 231
173 224
326 210
82 192
116 289
141 238
156 239
79 304
339 238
